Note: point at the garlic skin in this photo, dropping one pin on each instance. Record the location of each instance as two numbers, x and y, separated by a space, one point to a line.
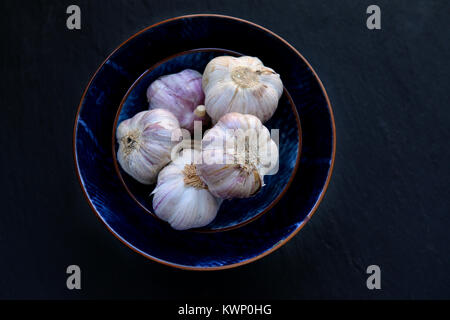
241 85
180 93
145 143
181 198
236 154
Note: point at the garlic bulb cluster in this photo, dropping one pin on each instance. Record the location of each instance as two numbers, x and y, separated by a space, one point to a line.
241 85
180 93
236 154
180 197
194 176
145 143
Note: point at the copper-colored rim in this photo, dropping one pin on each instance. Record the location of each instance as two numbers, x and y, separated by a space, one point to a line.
280 243
203 230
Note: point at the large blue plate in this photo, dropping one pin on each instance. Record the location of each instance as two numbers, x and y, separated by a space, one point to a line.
142 232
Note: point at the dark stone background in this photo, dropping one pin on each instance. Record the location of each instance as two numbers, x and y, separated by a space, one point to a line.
387 204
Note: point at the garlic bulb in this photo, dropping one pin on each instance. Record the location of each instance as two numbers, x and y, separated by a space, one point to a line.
145 143
241 85
180 197
180 93
236 154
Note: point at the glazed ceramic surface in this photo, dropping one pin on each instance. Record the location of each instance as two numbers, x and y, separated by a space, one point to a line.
236 212
131 223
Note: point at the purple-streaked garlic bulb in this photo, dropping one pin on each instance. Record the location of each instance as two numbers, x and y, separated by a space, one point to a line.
236 155
145 143
180 196
180 93
241 85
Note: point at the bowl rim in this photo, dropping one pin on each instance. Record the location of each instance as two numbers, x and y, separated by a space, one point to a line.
281 242
203 229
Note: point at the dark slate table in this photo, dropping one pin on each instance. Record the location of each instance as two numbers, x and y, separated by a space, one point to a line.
387 204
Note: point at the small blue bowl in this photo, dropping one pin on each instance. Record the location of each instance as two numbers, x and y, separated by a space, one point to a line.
129 221
236 212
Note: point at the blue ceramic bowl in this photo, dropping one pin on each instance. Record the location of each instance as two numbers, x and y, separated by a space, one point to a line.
128 220
236 212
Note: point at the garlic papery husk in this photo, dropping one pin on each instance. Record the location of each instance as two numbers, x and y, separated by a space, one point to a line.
145 143
241 85
180 93
236 155
180 197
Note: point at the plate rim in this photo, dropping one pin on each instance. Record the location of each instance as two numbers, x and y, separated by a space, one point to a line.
278 244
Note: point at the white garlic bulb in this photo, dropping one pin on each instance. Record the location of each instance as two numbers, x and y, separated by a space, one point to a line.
180 197
145 143
181 93
241 85
236 154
